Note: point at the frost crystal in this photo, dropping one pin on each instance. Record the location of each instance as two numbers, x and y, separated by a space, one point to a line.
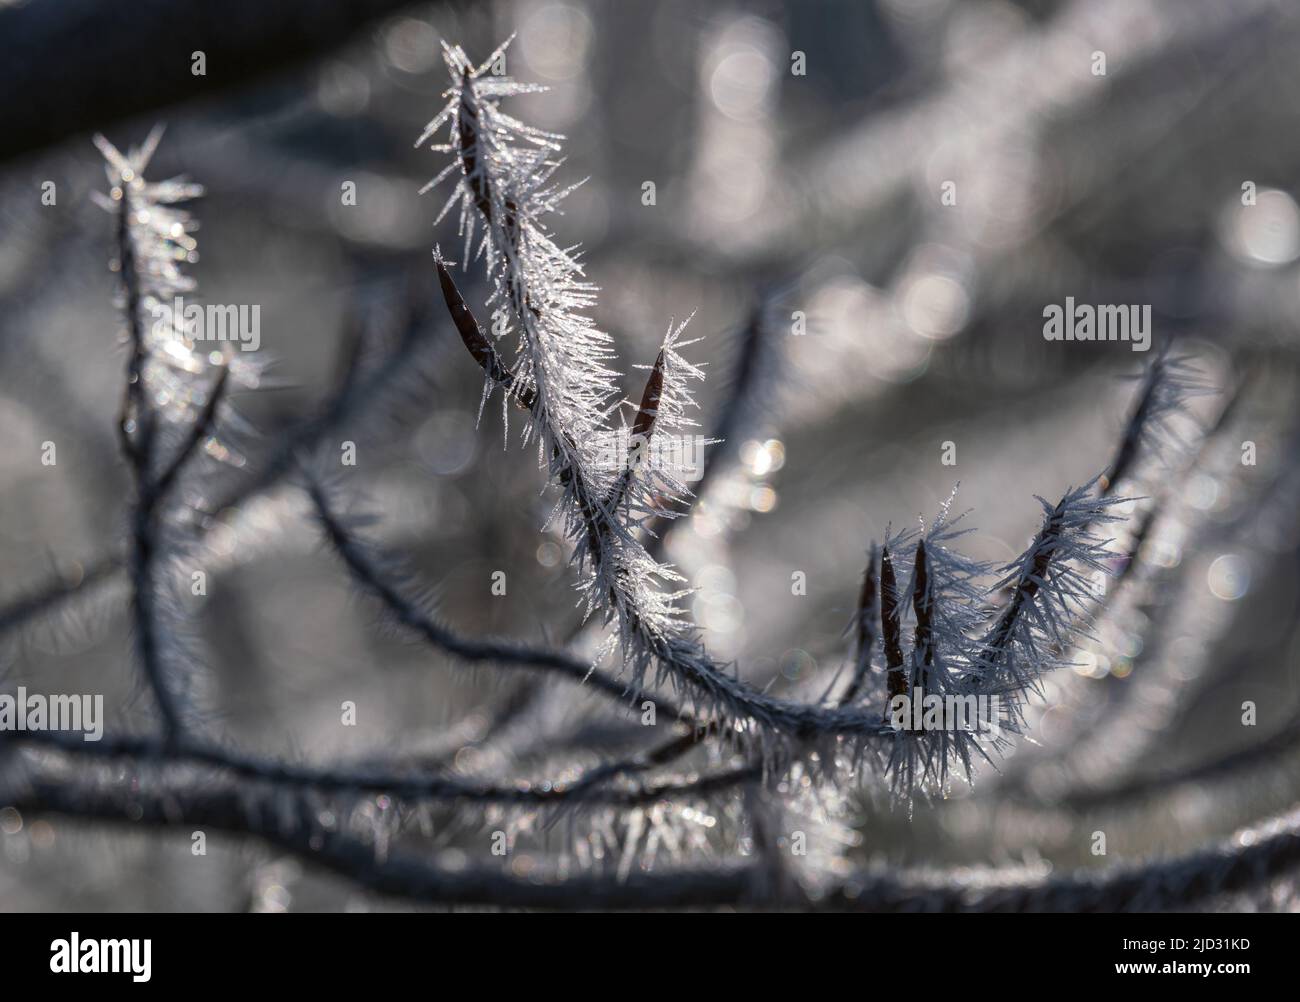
155 239
1036 604
563 365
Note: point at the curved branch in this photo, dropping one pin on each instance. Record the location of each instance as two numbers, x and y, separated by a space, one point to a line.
585 789
365 569
286 821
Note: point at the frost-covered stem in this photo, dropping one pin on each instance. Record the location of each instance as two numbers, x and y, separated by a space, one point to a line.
705 681
503 175
1136 424
754 360
1149 518
153 242
286 820
1275 750
563 465
1251 859
504 170
1168 382
283 819
139 448
478 180
202 428
483 351
587 789
135 446
144 618
49 596
300 439
1044 548
571 478
785 715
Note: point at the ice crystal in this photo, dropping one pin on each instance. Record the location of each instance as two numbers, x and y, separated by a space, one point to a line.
155 242
563 364
173 374
977 636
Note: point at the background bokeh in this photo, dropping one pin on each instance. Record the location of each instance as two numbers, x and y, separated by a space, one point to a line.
775 193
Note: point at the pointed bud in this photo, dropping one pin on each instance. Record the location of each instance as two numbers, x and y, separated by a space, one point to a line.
477 342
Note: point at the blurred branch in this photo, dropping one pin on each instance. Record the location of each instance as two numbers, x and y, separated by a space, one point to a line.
287 820
1272 750
587 788
112 64
386 585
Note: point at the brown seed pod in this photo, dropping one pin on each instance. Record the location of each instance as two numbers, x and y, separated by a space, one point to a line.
478 344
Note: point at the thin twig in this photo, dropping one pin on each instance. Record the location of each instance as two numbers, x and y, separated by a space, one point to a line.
366 572
588 788
865 622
